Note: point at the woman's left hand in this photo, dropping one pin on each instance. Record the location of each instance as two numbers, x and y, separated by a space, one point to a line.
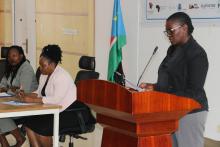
147 86
14 89
26 99
30 99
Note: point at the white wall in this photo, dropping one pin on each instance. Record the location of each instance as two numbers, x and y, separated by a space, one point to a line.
208 38
142 39
103 22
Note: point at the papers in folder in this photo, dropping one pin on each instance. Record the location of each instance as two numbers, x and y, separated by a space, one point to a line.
4 94
133 86
129 83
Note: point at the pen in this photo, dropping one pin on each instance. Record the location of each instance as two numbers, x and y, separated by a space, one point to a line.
19 91
20 88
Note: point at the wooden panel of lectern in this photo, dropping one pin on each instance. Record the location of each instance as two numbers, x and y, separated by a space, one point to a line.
131 118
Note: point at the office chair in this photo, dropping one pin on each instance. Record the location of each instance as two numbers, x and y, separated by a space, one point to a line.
87 64
4 51
82 121
85 121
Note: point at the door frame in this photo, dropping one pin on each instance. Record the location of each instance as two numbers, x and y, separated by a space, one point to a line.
30 40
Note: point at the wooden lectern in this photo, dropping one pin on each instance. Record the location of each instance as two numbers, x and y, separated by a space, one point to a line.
131 118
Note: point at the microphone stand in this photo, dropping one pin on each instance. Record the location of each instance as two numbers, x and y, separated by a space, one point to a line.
155 50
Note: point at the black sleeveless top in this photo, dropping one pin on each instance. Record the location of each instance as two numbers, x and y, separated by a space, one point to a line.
44 87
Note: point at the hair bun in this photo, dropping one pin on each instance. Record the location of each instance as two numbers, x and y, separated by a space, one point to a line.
53 53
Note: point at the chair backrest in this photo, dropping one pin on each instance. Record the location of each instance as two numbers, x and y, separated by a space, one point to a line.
87 64
4 51
2 68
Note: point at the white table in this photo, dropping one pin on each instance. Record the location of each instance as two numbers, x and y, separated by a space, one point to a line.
36 109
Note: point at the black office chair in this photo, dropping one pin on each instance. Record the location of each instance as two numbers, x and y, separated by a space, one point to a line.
81 112
87 64
4 51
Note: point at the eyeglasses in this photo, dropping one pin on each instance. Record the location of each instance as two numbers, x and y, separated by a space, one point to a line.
169 32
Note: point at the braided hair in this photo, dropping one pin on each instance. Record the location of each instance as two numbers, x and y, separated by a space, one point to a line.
53 53
182 18
10 69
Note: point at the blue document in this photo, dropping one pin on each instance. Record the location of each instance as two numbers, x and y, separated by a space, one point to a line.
4 94
16 103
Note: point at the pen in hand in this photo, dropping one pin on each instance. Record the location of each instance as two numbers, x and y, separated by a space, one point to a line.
20 93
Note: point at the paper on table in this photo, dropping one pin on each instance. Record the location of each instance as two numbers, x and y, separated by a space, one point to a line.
15 103
4 94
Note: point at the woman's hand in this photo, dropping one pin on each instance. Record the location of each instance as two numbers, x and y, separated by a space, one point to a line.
14 89
147 86
28 98
3 89
19 93
21 96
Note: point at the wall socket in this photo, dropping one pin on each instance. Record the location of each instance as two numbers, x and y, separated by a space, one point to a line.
69 31
218 128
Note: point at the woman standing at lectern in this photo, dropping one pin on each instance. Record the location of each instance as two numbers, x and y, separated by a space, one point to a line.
183 72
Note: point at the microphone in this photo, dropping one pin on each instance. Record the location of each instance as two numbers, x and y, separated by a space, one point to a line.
155 50
119 74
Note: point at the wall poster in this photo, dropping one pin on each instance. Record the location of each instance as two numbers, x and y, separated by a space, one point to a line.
197 9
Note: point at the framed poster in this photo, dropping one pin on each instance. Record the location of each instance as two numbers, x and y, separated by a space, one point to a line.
201 10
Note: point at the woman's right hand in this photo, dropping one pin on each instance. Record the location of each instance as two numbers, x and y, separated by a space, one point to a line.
20 93
147 86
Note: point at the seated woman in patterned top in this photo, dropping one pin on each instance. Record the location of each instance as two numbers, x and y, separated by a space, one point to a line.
18 75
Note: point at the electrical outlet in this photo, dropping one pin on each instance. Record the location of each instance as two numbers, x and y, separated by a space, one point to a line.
218 128
69 31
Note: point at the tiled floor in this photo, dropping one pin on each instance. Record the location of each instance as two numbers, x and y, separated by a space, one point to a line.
79 143
211 143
